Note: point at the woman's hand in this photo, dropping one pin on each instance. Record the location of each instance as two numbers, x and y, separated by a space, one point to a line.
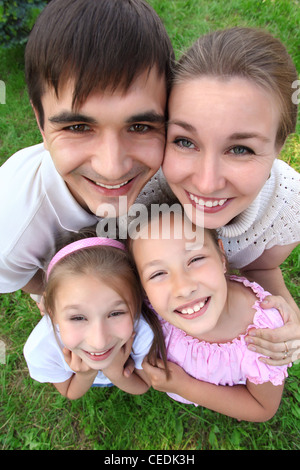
280 345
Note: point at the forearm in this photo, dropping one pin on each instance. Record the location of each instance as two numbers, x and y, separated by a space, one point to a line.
133 384
77 385
234 401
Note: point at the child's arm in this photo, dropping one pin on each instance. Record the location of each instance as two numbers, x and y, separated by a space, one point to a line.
80 382
136 383
244 402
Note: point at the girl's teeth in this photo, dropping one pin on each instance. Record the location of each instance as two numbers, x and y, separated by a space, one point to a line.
201 202
97 354
194 309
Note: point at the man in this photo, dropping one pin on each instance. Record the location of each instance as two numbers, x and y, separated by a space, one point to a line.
97 75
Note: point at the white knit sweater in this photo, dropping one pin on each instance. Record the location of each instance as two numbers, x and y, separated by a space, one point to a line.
272 219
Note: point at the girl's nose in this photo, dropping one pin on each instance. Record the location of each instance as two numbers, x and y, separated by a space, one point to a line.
183 285
98 337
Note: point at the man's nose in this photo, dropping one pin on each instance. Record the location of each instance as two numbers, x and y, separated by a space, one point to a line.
110 158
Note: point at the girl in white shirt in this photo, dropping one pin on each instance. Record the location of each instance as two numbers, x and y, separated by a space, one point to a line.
93 322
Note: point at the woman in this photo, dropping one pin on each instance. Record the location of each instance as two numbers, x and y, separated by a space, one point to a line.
230 112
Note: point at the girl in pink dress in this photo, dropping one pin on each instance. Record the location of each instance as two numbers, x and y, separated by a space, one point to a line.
205 316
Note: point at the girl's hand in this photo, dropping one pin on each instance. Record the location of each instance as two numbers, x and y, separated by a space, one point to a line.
281 345
158 377
77 364
120 364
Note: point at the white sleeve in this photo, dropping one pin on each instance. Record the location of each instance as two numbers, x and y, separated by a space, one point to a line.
142 342
44 357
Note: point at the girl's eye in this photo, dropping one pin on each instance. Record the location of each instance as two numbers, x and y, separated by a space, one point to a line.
184 143
117 313
240 150
78 318
156 275
197 258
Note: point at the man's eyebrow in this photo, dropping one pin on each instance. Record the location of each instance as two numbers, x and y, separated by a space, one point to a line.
150 116
66 117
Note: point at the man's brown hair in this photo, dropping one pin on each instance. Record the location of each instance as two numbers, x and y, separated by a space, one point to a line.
99 44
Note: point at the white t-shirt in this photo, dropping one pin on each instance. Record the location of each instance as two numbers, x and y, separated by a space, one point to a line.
36 208
46 362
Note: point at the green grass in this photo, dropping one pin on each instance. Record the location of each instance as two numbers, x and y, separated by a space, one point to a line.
34 416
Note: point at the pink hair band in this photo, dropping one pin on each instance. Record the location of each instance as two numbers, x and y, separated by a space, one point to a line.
81 244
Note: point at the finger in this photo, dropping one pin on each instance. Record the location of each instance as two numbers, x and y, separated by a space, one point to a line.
276 336
128 345
274 362
148 368
67 353
278 302
129 367
283 353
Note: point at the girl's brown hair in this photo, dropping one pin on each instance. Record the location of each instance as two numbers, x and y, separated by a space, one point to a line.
248 53
114 268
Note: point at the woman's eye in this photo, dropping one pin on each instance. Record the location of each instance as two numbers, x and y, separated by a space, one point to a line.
240 150
184 143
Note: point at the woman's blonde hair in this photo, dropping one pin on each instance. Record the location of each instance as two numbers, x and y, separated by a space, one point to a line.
249 53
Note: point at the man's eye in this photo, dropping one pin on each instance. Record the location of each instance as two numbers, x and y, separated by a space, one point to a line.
140 128
78 128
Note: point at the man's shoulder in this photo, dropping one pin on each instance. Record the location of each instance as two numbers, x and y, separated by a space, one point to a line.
24 157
